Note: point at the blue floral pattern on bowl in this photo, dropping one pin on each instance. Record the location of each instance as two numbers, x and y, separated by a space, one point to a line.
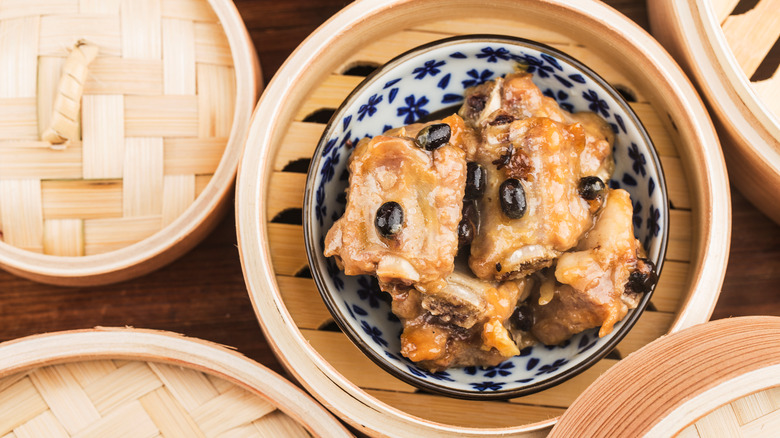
429 79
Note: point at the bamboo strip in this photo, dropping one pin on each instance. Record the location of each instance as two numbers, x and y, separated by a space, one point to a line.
299 143
59 33
116 75
99 7
27 8
211 44
243 431
11 380
87 371
661 138
190 388
126 383
19 56
764 427
721 422
679 195
194 10
277 424
71 199
65 397
18 117
19 403
103 131
303 301
340 352
101 236
178 195
650 326
201 182
21 213
751 35
141 35
27 159
193 155
168 415
680 232
753 406
333 90
129 421
670 290
688 432
143 177
287 193
216 100
230 410
478 414
286 244
178 46
44 425
161 116
723 8
49 72
63 237
221 385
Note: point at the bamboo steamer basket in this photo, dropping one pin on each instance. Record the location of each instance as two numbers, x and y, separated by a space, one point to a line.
721 378
318 76
146 383
152 131
730 57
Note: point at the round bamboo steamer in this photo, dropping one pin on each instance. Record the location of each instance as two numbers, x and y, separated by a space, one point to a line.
721 378
149 133
722 53
146 383
319 75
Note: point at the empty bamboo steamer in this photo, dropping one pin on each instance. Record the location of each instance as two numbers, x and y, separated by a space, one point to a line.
147 384
121 127
731 50
322 72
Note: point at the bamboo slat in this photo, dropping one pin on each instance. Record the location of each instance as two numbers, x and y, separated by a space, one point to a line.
272 246
135 398
752 34
155 120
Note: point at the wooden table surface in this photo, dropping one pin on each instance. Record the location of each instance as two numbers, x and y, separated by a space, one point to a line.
203 294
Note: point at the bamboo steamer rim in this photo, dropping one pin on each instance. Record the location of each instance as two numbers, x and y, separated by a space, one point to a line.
183 233
109 343
709 186
697 370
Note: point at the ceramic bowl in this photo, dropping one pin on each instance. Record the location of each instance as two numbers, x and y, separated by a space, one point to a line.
430 78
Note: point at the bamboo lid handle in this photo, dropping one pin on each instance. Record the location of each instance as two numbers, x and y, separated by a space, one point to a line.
64 125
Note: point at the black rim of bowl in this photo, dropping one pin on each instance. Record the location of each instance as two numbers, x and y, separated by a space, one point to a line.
352 333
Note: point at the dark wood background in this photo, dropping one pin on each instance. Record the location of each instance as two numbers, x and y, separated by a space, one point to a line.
203 294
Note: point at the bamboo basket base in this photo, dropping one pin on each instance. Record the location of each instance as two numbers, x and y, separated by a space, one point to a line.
285 197
150 131
140 399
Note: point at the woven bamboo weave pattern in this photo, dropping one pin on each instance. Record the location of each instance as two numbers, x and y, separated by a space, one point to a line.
134 399
285 198
757 415
155 118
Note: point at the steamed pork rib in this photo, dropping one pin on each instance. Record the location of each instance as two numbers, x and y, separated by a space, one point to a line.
464 323
403 208
535 155
591 285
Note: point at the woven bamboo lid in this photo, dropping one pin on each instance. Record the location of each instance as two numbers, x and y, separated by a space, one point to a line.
721 378
144 383
121 126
